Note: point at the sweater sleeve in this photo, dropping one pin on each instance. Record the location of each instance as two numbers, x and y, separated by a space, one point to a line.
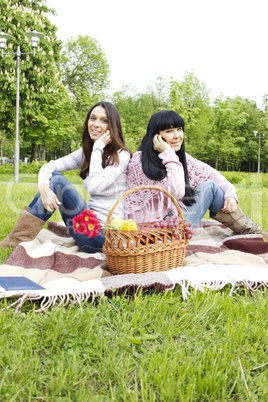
174 182
72 161
223 183
200 171
99 178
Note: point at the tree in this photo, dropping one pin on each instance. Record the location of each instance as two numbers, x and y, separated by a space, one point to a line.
263 130
85 74
40 81
190 99
232 131
158 92
84 66
135 110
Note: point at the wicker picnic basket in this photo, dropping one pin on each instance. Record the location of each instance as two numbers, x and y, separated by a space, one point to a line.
144 250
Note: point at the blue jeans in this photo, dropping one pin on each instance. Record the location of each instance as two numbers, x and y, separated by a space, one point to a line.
72 204
208 196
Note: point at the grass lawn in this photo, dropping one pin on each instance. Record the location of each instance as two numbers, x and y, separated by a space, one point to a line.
157 347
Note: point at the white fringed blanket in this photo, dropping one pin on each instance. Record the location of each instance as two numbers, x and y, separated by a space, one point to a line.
214 258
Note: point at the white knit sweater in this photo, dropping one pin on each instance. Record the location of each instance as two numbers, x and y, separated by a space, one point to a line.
104 185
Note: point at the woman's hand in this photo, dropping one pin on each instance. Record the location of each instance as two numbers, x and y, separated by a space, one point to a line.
49 199
106 138
159 144
230 205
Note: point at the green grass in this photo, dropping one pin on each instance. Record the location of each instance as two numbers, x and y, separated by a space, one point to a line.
33 177
157 347
154 348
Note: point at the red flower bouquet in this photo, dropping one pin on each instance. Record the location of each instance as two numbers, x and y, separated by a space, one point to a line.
86 223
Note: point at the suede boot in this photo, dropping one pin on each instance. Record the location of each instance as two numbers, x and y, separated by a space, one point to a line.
239 223
27 228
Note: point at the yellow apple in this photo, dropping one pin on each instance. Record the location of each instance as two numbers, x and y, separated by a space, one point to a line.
117 223
129 225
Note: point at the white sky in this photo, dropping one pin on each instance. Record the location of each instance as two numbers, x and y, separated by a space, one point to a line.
223 42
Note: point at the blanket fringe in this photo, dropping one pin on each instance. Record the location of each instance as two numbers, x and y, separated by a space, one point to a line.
54 301
47 302
251 286
64 300
184 288
11 305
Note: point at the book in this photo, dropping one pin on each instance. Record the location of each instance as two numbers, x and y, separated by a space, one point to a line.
18 283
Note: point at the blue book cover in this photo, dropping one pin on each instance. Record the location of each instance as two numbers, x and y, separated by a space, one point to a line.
18 283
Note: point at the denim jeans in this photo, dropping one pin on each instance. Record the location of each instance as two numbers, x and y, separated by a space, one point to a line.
208 196
72 204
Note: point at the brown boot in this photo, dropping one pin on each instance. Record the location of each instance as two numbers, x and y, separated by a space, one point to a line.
27 228
239 223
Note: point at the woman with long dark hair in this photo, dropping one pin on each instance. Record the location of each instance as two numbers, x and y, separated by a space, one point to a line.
162 161
102 161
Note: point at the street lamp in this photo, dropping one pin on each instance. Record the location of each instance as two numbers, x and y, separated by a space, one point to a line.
35 37
259 151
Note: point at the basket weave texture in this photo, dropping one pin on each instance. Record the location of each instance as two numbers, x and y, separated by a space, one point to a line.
147 249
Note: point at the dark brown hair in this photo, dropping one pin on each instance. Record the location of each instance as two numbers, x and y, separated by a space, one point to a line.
110 152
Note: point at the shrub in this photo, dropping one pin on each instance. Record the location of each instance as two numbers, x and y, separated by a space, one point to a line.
233 177
32 167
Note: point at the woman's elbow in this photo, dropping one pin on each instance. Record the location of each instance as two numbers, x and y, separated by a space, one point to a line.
179 190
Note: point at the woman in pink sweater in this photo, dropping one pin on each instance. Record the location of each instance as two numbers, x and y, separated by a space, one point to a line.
161 161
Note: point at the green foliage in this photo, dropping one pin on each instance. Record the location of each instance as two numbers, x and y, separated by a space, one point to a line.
56 87
33 167
190 99
29 173
85 73
159 94
232 177
84 66
234 122
39 77
221 135
135 110
60 84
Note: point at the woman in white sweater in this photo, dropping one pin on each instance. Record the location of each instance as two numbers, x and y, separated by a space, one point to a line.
102 161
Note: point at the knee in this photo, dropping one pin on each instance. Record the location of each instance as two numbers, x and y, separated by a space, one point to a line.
217 191
210 185
57 179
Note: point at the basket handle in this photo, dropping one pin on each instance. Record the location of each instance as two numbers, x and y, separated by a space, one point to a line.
132 190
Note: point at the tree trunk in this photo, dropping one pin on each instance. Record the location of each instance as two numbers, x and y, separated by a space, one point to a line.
44 153
34 149
1 147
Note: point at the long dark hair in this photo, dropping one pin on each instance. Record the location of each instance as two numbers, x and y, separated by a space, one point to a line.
110 152
152 165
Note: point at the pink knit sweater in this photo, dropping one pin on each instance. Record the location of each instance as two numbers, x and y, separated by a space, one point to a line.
151 205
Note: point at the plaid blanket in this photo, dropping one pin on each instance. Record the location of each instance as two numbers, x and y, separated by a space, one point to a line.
214 258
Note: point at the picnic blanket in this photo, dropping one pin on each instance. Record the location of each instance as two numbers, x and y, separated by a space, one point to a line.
214 258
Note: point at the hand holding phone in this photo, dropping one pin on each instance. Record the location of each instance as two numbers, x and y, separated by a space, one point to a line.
159 143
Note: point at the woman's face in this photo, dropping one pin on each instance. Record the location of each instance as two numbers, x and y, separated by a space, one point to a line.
173 137
97 123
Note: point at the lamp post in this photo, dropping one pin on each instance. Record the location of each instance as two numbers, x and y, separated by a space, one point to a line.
259 151
35 37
